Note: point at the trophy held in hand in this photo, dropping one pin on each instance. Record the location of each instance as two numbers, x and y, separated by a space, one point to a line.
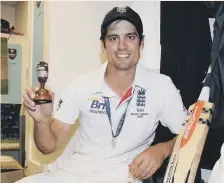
42 95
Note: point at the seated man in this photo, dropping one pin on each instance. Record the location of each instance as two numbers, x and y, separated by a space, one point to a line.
119 106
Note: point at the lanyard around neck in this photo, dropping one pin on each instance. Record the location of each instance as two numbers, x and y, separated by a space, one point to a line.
121 122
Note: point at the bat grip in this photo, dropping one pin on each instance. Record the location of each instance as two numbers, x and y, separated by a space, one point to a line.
204 95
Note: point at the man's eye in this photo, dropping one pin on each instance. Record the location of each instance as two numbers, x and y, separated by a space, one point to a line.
113 38
131 37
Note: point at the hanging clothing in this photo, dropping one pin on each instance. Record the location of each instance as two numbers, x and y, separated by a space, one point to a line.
185 46
215 80
217 71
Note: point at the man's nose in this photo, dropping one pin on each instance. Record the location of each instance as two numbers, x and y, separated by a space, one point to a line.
122 44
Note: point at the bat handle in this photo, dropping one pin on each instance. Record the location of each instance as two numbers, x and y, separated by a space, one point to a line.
204 95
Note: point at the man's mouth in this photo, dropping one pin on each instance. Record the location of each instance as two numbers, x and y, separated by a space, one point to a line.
123 55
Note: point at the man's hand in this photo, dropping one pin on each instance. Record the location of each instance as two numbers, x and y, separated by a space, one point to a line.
150 160
37 112
146 163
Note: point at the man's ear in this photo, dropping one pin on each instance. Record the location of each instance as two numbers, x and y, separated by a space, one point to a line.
102 46
103 54
142 42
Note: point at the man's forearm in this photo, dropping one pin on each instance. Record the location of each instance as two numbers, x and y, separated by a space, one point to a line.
44 137
168 147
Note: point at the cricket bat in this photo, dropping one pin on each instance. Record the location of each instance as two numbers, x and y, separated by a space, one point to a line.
189 145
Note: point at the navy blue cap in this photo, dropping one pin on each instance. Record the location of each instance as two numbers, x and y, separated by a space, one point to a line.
122 13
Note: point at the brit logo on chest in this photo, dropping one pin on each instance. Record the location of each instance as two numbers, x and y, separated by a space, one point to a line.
140 104
97 106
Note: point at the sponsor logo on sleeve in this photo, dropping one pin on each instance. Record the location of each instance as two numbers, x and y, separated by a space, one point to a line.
59 104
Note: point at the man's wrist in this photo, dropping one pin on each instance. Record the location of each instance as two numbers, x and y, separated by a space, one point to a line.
44 121
167 147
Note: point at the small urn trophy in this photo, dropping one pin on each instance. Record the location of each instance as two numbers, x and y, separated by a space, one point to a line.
42 95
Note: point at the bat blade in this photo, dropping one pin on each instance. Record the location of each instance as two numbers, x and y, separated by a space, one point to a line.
189 144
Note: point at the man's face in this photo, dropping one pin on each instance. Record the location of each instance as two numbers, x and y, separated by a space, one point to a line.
122 45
